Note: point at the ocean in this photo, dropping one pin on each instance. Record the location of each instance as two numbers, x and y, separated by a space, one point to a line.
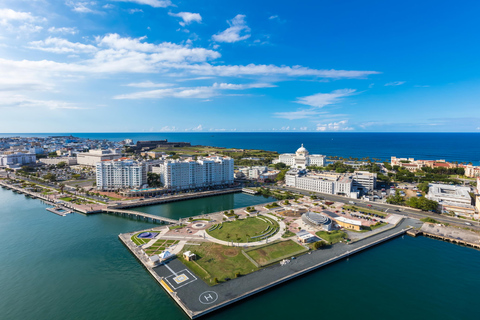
461 147
75 267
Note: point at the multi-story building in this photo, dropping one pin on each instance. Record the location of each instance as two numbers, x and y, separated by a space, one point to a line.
68 160
301 159
119 173
364 181
341 184
91 157
451 198
472 171
413 165
192 174
17 159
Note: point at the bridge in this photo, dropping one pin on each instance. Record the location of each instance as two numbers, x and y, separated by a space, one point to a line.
140 215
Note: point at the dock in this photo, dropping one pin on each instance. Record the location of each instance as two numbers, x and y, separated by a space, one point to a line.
197 299
140 215
249 191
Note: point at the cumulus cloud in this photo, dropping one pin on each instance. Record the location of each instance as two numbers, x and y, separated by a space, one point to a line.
187 17
20 101
58 45
63 30
152 3
395 83
83 6
19 21
334 126
238 31
9 15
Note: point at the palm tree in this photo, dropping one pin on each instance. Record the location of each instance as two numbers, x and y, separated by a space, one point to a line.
61 186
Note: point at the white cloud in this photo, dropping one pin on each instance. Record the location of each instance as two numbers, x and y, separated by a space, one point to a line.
58 45
187 17
83 6
63 30
132 11
273 17
153 3
20 101
238 31
395 83
321 100
197 128
303 128
334 126
203 92
149 84
8 15
299 114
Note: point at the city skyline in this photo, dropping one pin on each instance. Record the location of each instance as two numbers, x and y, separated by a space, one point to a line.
193 66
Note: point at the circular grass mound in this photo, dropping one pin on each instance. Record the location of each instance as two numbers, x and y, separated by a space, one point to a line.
245 230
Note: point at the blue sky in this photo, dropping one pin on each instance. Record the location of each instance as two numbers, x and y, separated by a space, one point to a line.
210 65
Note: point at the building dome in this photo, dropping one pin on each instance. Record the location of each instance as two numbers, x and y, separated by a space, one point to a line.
302 151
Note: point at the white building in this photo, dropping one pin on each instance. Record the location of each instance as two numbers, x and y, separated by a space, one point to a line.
472 171
68 160
118 174
191 174
91 157
17 159
364 181
341 184
301 159
451 198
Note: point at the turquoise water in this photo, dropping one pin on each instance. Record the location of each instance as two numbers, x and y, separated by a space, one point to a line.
74 267
188 208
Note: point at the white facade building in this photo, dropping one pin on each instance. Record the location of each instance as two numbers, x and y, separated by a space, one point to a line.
191 174
17 159
451 198
325 183
301 159
91 157
118 174
364 181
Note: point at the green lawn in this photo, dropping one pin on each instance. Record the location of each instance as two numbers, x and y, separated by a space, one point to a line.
159 246
274 252
217 261
381 214
288 234
139 241
332 236
67 199
244 229
371 228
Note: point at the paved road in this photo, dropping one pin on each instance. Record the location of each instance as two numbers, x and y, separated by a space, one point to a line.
405 211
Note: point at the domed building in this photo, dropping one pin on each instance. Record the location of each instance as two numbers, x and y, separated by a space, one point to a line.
301 159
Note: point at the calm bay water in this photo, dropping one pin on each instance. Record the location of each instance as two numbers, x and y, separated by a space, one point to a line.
74 267
461 147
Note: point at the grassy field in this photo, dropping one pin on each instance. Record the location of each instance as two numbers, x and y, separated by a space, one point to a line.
217 261
67 199
275 252
381 214
242 230
332 236
159 246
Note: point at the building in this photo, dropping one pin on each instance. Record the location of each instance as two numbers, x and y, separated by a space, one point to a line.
348 223
193 174
364 181
472 171
413 165
317 220
189 256
17 159
118 174
91 157
331 183
305 237
68 160
451 198
301 159
477 197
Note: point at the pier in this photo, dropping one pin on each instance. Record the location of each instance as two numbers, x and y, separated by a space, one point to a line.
197 299
140 215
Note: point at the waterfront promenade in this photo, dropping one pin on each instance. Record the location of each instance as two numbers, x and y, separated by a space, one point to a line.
196 298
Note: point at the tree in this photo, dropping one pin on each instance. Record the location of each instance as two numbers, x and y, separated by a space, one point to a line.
50 177
422 203
396 199
62 187
319 244
61 164
281 175
153 180
423 186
